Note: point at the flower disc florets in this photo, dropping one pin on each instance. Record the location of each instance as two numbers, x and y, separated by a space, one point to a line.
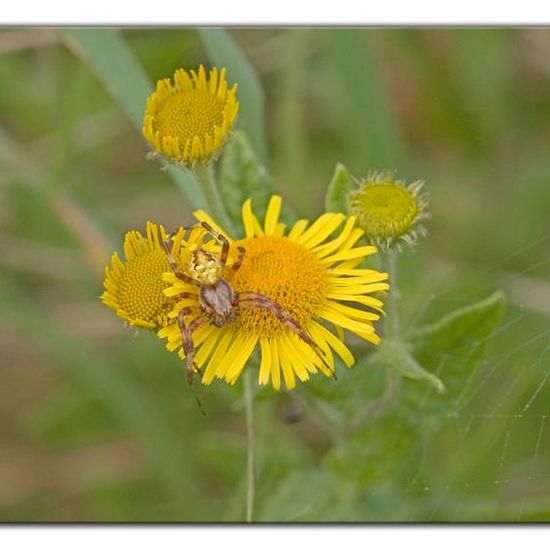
188 121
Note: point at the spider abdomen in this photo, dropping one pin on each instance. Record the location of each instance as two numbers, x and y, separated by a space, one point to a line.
218 301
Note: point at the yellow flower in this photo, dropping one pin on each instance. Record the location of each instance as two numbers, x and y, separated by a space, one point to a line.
134 290
388 210
188 121
316 281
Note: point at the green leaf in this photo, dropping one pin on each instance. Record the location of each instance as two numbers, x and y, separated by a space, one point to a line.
107 53
396 355
241 176
338 188
451 349
303 495
224 52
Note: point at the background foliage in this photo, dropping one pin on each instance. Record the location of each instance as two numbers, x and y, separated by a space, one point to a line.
97 424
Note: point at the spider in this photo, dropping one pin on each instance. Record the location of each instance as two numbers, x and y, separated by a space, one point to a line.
218 301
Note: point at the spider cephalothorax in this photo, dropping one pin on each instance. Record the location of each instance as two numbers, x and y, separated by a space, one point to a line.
217 299
218 302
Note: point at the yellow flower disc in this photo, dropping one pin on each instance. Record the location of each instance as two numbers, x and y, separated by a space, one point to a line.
188 121
135 289
286 272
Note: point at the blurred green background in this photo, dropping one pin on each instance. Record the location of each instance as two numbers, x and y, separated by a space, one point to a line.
96 421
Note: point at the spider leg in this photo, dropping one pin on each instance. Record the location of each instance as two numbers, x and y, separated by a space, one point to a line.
173 264
183 295
188 348
240 259
217 235
256 299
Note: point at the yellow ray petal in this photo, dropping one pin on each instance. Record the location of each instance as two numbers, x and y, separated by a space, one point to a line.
359 298
216 361
297 348
351 312
297 230
272 214
265 366
238 362
319 332
321 229
208 346
288 373
360 252
360 289
202 216
328 248
345 322
294 361
275 367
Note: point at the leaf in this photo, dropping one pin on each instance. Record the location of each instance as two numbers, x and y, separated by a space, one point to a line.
241 176
303 495
452 347
338 188
224 52
106 52
396 355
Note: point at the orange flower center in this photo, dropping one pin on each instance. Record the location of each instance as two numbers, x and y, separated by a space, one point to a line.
284 271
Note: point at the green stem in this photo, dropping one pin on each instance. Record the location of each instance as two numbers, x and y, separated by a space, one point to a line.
391 325
250 450
205 175
391 334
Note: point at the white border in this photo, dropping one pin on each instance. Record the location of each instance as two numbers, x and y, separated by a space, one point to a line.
266 537
276 13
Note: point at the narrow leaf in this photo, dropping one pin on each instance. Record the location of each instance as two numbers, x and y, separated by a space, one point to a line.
369 125
224 52
106 52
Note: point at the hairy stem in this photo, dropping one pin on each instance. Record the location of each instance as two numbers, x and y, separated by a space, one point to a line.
391 325
250 450
391 333
374 408
205 175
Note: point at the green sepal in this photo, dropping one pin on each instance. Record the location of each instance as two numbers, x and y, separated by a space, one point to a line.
340 185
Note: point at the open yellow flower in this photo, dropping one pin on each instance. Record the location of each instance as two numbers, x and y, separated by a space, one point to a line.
188 121
316 281
134 290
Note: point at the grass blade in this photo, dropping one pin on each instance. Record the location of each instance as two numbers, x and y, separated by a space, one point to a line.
371 129
106 52
224 52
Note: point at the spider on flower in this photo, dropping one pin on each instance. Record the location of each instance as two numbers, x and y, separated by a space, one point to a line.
218 302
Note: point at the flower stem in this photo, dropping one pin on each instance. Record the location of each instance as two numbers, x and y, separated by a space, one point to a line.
391 325
391 334
250 450
205 175
217 209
